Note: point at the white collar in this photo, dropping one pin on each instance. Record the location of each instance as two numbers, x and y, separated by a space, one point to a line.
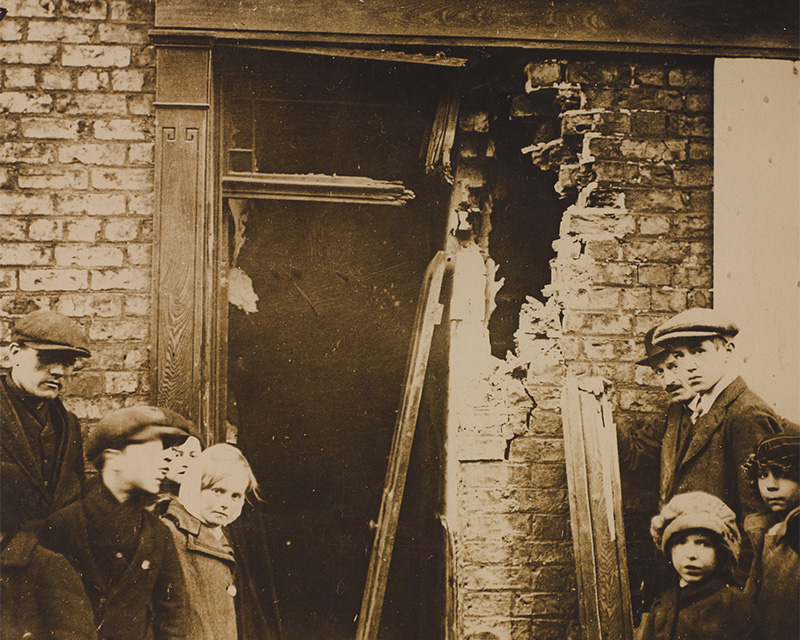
703 402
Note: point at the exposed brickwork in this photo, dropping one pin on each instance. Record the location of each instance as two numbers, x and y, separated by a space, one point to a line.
76 183
633 159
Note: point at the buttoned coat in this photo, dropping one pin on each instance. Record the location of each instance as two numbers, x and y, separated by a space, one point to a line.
25 491
208 566
148 601
41 594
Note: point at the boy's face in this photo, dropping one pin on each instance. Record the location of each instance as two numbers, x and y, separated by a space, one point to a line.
778 492
140 466
702 362
180 457
221 503
694 557
670 376
40 373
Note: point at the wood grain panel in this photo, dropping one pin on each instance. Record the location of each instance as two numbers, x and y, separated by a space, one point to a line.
181 194
770 24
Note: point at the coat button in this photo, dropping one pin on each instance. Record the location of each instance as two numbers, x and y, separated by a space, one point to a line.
118 555
231 591
145 565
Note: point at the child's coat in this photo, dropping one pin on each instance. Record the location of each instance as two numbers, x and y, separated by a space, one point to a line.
128 564
774 580
711 610
208 565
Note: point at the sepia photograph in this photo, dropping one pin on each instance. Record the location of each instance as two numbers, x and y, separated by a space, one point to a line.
411 320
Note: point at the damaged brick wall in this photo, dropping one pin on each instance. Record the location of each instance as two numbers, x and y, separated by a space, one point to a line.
633 159
76 183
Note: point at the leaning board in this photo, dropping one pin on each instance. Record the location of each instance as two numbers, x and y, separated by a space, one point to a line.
595 502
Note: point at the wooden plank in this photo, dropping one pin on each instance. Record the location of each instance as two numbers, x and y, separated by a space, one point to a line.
429 314
767 24
596 510
282 186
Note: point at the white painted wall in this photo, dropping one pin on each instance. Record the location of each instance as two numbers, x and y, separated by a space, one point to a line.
757 221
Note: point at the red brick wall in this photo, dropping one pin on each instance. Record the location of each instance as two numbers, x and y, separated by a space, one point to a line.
76 182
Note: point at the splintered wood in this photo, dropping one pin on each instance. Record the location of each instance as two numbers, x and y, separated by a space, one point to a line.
595 502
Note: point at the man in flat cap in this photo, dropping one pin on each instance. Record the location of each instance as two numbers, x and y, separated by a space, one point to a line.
41 457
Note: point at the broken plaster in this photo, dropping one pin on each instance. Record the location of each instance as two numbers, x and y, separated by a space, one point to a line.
240 286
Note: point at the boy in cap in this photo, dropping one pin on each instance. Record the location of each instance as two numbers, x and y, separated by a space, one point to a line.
124 554
698 535
41 457
727 419
774 580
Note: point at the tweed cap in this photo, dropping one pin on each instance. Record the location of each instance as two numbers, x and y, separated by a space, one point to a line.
653 352
696 510
695 323
48 330
137 424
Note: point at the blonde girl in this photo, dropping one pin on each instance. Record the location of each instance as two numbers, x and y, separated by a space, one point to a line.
214 488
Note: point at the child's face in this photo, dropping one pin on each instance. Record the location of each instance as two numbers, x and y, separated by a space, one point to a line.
180 457
221 503
702 362
694 557
779 493
672 381
140 466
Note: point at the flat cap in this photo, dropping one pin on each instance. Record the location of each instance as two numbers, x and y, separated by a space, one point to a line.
137 424
48 330
783 448
652 351
695 323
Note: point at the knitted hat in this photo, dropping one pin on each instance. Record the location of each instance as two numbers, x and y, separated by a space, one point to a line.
696 510
695 323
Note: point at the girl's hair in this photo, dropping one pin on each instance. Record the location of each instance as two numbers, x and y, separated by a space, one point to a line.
754 466
725 560
220 461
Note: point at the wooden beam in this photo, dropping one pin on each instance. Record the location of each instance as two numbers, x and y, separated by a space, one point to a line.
595 499
282 186
429 314
767 24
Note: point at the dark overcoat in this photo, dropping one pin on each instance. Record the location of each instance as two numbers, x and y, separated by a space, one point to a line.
27 495
712 610
709 455
138 598
41 596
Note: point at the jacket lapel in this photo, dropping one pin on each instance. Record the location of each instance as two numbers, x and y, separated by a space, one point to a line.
709 422
669 448
15 442
67 486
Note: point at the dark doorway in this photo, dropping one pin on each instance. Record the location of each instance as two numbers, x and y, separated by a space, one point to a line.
315 373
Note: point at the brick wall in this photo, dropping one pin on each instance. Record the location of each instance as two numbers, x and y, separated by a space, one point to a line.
633 159
76 183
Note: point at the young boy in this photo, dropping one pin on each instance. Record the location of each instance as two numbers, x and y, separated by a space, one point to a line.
124 554
727 419
774 580
697 533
